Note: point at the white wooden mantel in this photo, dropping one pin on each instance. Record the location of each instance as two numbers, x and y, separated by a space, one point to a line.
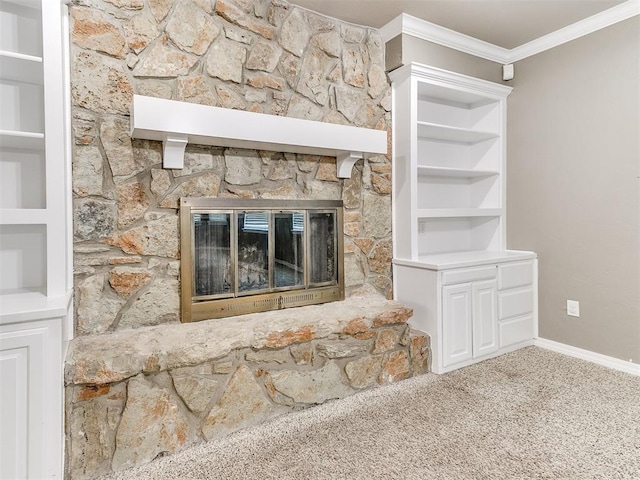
177 123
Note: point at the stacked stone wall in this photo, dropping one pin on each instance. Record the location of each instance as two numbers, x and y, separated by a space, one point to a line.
138 383
263 56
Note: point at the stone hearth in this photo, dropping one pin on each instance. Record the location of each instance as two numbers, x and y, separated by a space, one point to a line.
134 395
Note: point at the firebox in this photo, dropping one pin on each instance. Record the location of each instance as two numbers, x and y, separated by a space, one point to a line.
246 256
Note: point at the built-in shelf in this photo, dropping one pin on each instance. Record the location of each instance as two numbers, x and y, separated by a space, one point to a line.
27 304
178 123
21 140
455 172
33 4
23 216
448 167
445 133
469 258
18 67
458 212
460 99
450 264
36 279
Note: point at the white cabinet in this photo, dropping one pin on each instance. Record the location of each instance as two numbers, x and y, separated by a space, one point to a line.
469 314
449 213
35 234
469 327
31 399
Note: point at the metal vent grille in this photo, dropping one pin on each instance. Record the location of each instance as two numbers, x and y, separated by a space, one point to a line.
275 301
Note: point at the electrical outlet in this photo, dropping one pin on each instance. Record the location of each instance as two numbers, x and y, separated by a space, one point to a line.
573 308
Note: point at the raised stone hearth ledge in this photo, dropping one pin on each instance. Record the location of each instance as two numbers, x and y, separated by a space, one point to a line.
182 384
107 358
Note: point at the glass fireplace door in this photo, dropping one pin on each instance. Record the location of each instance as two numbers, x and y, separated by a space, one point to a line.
212 256
253 252
250 256
289 255
322 248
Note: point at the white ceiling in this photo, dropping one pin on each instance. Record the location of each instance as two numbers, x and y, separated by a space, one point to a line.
505 23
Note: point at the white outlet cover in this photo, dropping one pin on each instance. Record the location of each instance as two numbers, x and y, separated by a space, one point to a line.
573 308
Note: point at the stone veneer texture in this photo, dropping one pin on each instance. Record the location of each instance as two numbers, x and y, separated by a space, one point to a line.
259 55
264 56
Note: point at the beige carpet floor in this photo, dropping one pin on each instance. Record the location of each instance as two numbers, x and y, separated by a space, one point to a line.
531 414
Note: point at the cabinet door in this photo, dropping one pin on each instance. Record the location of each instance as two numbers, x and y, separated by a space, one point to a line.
31 400
14 371
485 318
456 324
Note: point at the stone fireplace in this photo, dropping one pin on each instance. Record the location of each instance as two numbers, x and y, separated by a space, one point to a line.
246 256
133 366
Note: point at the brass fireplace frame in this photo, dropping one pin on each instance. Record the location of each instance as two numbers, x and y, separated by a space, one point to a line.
196 308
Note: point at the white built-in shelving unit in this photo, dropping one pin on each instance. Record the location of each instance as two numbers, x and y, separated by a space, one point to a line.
450 258
453 155
35 272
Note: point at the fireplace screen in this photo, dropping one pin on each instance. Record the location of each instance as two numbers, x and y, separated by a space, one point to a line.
244 256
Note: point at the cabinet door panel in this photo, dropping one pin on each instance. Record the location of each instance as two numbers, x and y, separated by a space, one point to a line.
457 324
462 275
485 325
22 400
513 275
514 303
14 364
516 330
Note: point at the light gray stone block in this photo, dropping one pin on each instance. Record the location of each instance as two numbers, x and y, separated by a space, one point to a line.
309 387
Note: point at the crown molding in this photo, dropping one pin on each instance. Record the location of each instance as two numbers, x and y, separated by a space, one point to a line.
409 25
451 79
391 29
601 20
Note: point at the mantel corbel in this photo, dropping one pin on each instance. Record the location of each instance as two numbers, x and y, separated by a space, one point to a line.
173 147
345 162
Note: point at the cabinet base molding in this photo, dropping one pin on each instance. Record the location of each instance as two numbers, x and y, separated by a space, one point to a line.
589 356
502 351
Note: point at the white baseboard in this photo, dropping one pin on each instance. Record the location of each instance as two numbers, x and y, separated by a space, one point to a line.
604 360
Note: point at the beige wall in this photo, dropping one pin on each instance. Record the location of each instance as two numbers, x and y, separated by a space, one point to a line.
573 193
